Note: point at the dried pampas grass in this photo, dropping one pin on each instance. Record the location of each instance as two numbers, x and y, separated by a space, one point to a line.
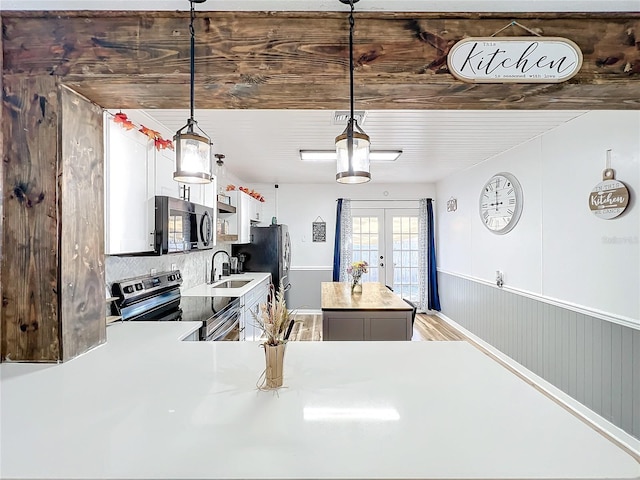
273 317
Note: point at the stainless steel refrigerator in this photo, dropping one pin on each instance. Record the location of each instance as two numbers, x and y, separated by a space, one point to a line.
269 251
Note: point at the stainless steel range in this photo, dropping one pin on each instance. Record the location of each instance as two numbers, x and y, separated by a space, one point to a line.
157 298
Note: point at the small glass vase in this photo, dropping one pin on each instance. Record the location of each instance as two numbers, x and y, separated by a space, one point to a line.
356 287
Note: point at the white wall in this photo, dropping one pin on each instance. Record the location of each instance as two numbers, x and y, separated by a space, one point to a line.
298 206
559 249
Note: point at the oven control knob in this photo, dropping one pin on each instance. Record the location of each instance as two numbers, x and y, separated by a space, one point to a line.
138 286
171 278
128 289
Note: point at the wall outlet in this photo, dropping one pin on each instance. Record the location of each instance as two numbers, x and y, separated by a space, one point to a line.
499 278
174 267
154 271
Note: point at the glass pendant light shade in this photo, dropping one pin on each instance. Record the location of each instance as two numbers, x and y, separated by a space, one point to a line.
193 158
353 168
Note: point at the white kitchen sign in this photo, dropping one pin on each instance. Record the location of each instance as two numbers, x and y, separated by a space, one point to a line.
514 59
609 198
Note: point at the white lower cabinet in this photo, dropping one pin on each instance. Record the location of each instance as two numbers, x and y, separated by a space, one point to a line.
192 337
250 306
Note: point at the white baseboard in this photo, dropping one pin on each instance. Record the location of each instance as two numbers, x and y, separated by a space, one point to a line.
587 415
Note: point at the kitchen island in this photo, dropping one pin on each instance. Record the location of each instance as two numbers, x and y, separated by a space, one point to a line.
374 314
147 405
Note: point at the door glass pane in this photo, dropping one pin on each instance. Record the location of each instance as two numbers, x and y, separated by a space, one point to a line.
400 256
405 256
366 243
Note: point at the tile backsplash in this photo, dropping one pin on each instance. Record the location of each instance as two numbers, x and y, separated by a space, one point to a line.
195 267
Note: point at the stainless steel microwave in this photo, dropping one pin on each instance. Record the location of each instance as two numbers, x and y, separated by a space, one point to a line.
182 226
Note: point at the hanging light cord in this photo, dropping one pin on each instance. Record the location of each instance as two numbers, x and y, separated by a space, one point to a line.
351 120
351 27
193 64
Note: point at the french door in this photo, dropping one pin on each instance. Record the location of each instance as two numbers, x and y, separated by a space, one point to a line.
387 239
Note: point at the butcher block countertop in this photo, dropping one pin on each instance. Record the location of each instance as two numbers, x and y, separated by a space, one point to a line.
374 296
147 405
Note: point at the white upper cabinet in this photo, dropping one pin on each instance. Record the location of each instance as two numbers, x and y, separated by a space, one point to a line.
239 223
209 193
165 165
129 191
202 194
248 212
255 210
135 172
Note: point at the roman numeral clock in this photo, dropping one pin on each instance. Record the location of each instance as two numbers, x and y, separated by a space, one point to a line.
501 203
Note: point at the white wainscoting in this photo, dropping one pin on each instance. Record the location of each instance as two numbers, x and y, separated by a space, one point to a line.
593 360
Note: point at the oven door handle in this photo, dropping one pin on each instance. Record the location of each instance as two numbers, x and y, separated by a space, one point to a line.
217 336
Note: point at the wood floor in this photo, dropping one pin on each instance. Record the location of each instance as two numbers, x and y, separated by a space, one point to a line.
308 327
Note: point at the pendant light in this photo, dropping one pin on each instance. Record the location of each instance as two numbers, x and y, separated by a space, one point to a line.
352 146
193 150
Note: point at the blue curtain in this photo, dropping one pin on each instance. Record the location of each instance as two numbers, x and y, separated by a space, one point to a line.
433 297
336 245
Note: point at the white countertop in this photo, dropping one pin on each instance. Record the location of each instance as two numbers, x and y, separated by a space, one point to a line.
207 290
145 405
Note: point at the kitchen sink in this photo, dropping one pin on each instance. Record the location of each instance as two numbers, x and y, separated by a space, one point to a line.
232 284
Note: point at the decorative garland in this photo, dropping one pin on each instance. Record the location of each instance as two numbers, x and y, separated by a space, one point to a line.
159 142
252 193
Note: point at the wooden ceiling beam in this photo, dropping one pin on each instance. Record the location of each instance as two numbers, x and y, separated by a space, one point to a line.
300 60
389 96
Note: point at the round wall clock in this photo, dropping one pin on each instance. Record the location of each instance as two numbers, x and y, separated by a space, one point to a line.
501 203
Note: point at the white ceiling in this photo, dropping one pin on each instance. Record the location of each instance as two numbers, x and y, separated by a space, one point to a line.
263 145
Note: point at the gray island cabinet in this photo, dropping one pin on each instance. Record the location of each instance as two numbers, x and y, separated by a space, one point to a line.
374 314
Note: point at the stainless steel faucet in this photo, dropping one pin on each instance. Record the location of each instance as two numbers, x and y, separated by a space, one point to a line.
213 264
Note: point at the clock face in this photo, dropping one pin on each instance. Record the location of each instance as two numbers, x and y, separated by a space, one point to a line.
501 203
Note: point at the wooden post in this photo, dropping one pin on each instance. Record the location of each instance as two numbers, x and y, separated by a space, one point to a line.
81 226
52 290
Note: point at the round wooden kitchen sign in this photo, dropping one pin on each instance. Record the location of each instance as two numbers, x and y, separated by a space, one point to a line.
609 198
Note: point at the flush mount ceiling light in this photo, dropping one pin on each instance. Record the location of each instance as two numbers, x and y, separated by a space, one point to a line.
352 146
331 155
220 170
193 150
